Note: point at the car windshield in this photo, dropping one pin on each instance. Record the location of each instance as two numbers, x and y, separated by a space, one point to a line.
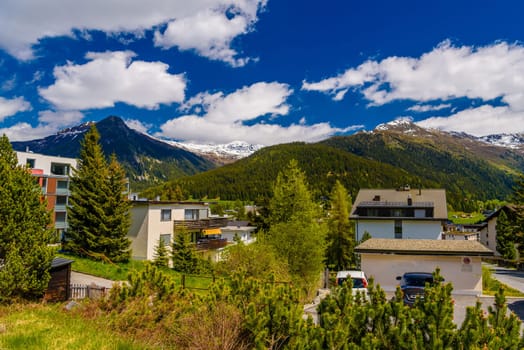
417 281
358 283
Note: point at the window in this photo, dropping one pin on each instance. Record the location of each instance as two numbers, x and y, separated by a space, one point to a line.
165 215
60 217
398 229
30 163
372 212
420 213
397 212
59 169
191 214
61 200
166 239
61 185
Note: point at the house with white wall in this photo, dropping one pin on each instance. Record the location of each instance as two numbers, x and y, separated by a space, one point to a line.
488 234
154 220
240 229
402 213
459 261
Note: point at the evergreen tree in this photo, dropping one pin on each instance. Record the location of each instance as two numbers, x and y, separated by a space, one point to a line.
506 236
434 314
25 231
161 258
340 237
296 232
505 330
98 216
518 201
118 213
183 253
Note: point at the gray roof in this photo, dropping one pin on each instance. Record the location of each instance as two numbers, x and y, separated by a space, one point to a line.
58 262
390 198
423 247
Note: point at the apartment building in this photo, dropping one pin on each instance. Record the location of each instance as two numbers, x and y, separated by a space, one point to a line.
52 174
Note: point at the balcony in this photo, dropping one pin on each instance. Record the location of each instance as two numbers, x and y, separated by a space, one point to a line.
211 243
201 224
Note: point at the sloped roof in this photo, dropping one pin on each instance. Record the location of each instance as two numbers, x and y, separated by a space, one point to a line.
58 262
393 197
423 247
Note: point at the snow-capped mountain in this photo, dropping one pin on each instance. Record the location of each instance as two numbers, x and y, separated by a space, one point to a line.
224 153
407 126
514 141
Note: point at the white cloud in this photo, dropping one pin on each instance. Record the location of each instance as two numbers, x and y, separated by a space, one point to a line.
138 125
9 107
427 107
481 121
226 118
445 73
60 119
217 22
209 33
112 77
49 122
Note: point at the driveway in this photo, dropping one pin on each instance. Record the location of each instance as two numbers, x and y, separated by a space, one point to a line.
82 278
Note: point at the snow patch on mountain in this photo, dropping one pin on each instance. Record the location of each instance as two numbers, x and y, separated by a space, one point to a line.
514 141
233 150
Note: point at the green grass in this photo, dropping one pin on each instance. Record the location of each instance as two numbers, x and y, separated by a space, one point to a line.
490 286
41 326
458 217
120 271
115 272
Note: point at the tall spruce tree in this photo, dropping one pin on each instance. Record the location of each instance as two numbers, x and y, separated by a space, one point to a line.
518 201
98 216
341 234
25 231
296 232
118 213
183 253
506 236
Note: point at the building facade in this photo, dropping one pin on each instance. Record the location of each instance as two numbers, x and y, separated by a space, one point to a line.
53 175
401 213
459 261
155 221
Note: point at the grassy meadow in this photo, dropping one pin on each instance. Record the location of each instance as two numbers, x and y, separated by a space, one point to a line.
49 326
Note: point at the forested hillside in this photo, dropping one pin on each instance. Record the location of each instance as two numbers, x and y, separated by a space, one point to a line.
252 177
366 160
442 160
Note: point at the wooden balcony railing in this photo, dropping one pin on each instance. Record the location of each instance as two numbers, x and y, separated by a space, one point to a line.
211 243
201 224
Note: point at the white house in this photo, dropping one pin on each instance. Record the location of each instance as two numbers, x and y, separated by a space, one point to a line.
459 261
402 213
488 234
240 229
152 221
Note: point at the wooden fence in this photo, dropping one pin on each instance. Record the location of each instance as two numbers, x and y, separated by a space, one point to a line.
92 291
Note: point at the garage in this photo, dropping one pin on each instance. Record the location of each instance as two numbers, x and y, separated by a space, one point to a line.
460 262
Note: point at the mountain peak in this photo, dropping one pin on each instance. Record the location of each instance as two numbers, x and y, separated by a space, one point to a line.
402 124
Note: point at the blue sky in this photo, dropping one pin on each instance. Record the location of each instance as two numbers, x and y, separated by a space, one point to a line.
260 71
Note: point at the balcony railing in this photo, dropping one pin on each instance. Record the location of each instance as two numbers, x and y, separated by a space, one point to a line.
211 243
201 224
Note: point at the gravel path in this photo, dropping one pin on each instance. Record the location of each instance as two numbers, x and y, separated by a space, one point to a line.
82 278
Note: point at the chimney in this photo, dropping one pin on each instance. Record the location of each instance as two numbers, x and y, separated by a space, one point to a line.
410 200
376 198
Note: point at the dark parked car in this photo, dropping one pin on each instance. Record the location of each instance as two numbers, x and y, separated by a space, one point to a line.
413 284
